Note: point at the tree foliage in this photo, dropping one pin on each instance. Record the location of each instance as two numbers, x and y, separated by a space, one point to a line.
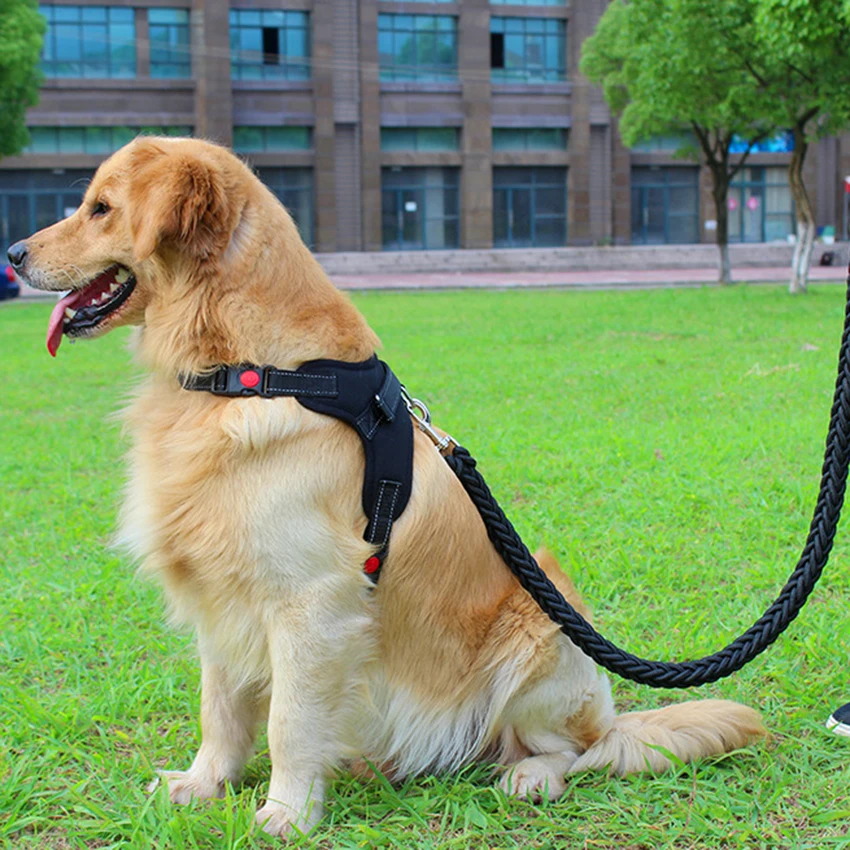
668 66
21 34
802 65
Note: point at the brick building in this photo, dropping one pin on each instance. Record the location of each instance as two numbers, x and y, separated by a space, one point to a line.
385 124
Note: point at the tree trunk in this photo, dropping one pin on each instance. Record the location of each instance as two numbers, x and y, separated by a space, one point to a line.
720 192
802 257
805 217
724 267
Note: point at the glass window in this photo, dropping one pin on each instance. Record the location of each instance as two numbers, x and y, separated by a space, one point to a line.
417 48
89 41
665 205
33 199
761 207
97 140
781 142
667 143
171 54
419 138
529 139
529 207
269 45
419 208
124 135
92 140
529 2
294 189
528 50
42 140
248 139
72 139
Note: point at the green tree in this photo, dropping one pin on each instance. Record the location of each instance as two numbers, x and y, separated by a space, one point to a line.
675 66
21 35
802 66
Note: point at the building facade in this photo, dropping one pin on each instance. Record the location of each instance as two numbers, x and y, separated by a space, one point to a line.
385 124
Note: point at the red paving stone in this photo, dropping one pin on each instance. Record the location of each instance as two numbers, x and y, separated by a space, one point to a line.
576 279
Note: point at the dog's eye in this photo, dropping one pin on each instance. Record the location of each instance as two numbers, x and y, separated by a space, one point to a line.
100 208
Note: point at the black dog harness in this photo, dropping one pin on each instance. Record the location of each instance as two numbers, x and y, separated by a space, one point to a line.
367 396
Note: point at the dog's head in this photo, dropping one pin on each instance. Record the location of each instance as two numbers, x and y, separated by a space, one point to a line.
158 210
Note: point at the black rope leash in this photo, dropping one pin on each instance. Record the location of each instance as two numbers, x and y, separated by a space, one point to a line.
663 674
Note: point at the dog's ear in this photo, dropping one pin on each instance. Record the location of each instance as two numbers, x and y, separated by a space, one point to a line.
178 199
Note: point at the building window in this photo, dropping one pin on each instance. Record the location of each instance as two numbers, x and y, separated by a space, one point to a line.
419 208
529 207
171 55
529 2
780 142
250 139
528 50
31 200
423 139
92 140
665 205
418 48
293 187
89 41
269 45
669 143
761 207
529 139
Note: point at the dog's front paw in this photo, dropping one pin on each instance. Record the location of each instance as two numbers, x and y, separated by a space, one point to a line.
184 785
538 778
279 819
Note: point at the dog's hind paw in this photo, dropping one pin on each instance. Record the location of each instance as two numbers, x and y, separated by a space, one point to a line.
539 777
184 785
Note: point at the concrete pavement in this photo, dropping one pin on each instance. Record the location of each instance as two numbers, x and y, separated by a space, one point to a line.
566 279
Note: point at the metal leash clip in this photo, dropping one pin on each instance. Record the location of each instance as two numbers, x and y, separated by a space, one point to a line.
422 416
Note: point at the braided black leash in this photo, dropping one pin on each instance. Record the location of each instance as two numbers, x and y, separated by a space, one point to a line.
662 674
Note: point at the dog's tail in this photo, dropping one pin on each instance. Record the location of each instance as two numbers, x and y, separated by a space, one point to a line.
642 740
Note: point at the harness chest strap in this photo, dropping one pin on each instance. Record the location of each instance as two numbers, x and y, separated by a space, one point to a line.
368 397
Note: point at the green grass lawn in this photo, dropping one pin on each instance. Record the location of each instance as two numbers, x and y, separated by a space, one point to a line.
665 444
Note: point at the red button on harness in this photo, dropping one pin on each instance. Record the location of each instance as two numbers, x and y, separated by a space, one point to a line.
249 378
372 565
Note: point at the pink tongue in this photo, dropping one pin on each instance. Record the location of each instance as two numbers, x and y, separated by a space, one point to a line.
57 319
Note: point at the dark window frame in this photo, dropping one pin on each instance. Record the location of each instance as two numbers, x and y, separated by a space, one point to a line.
40 190
668 178
289 183
540 178
745 181
413 180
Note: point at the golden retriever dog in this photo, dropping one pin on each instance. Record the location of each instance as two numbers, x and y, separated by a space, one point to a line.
248 510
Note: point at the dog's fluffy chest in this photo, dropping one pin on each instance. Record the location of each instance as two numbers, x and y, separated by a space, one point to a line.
240 500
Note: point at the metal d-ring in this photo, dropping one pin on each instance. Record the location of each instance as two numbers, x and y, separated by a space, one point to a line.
422 416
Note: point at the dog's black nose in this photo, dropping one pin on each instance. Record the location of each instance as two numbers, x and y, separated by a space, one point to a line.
17 254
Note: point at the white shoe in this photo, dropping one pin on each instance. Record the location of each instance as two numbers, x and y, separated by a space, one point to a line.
839 720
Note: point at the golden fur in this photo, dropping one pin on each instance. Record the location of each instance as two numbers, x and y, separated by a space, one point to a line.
248 511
